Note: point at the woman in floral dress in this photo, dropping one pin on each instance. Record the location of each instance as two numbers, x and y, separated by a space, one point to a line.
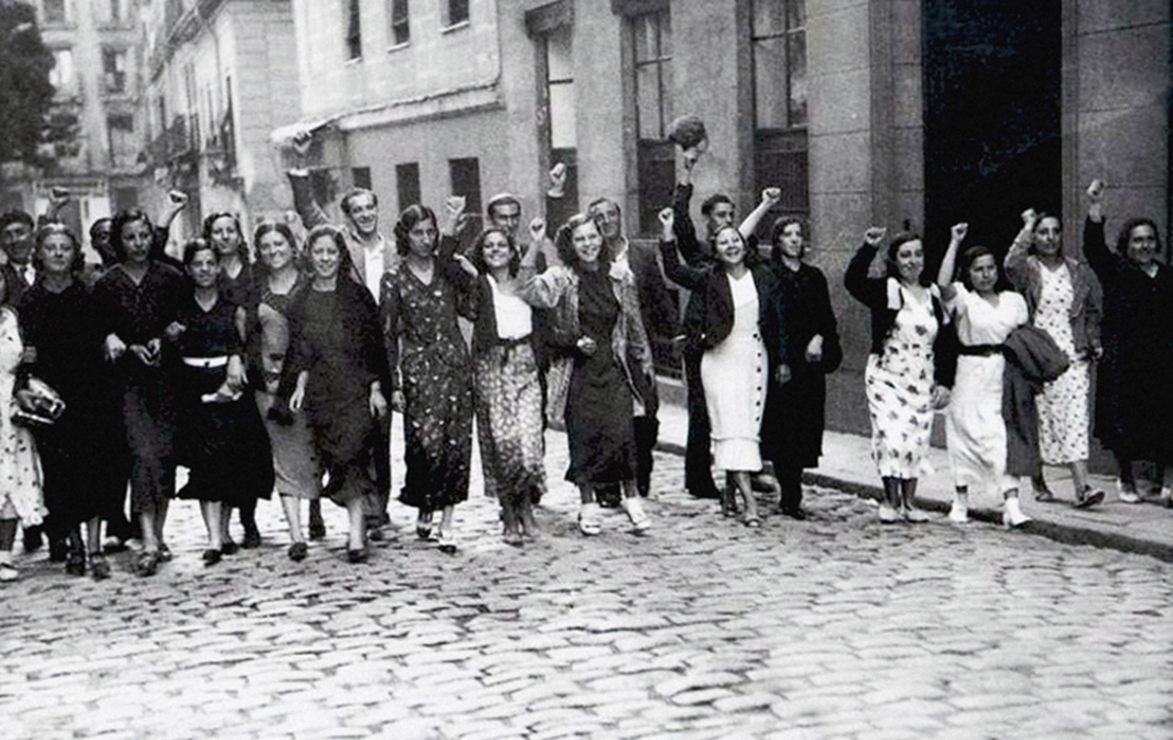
1065 300
20 496
901 375
431 374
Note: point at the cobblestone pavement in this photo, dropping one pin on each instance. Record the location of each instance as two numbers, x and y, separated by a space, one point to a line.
830 628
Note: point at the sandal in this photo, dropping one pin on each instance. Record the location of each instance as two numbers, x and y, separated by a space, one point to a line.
99 568
356 555
753 522
147 564
75 563
165 555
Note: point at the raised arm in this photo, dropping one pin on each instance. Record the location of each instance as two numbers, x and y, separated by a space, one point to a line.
949 262
299 181
770 198
1095 245
686 276
864 289
1015 264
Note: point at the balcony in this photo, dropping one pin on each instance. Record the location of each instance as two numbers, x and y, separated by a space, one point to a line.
179 143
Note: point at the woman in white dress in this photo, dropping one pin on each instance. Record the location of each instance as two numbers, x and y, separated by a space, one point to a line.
1065 300
739 331
975 429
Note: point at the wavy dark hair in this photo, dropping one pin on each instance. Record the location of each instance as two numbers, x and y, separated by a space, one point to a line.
478 251
973 254
129 216
898 241
776 230
194 246
242 245
411 216
79 261
345 263
282 228
564 241
1039 222
1126 234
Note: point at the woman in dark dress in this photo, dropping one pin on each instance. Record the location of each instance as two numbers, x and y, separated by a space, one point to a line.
339 366
596 323
1134 392
133 303
428 355
221 439
237 286
61 344
792 430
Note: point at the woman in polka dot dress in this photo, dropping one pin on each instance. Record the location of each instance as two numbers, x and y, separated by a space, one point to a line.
742 340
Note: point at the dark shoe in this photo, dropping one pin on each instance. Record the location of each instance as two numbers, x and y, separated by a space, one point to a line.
317 530
705 492
99 568
229 548
298 551
58 551
794 513
1044 495
281 414
165 555
357 556
33 540
1089 499
75 563
375 533
115 546
252 540
211 556
147 564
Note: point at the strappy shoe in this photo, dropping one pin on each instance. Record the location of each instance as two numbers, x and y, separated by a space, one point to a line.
147 564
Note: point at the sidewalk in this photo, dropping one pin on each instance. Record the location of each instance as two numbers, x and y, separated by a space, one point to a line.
847 465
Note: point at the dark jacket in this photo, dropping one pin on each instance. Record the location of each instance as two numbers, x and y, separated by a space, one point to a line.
715 320
1032 358
875 293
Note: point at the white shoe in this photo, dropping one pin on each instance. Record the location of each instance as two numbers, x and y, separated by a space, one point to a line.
1166 498
640 521
889 514
1012 516
959 513
589 519
1126 493
913 515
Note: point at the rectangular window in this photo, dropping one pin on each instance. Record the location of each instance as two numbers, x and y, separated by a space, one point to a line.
125 199
652 35
465 175
114 70
457 12
400 26
407 182
561 135
353 30
54 11
61 76
120 129
115 11
778 46
361 177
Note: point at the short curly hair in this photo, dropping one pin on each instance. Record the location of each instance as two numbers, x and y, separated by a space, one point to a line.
79 261
564 241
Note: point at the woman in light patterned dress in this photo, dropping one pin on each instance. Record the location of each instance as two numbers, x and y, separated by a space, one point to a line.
431 374
20 471
902 375
1065 300
508 395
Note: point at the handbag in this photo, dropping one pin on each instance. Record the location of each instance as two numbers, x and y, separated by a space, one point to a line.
42 407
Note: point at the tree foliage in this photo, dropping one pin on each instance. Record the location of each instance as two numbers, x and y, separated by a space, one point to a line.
32 122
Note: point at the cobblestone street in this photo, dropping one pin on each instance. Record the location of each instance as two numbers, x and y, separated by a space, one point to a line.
829 628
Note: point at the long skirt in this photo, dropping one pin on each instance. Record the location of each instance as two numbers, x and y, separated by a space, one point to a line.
148 411
900 404
1064 416
974 427
437 436
296 467
509 423
734 377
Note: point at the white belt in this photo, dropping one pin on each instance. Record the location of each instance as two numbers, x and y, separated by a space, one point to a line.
206 361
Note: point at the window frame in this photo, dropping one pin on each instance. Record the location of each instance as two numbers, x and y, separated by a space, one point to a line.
655 159
399 22
451 19
352 30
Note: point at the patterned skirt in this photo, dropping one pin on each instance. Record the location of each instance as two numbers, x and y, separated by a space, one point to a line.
509 422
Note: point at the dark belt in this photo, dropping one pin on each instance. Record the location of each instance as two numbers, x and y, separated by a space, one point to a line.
980 350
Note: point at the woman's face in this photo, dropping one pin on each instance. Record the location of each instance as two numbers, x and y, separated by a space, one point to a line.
204 268
57 254
910 261
136 241
1048 236
983 273
1142 244
422 238
275 250
587 242
225 235
496 251
730 247
324 257
791 241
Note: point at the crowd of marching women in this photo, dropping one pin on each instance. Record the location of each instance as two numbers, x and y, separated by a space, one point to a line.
275 366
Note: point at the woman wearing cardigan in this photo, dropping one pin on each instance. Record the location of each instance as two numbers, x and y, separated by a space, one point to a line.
596 323
902 375
1064 299
742 341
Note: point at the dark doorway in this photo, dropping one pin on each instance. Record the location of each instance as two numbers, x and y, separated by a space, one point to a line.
992 117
